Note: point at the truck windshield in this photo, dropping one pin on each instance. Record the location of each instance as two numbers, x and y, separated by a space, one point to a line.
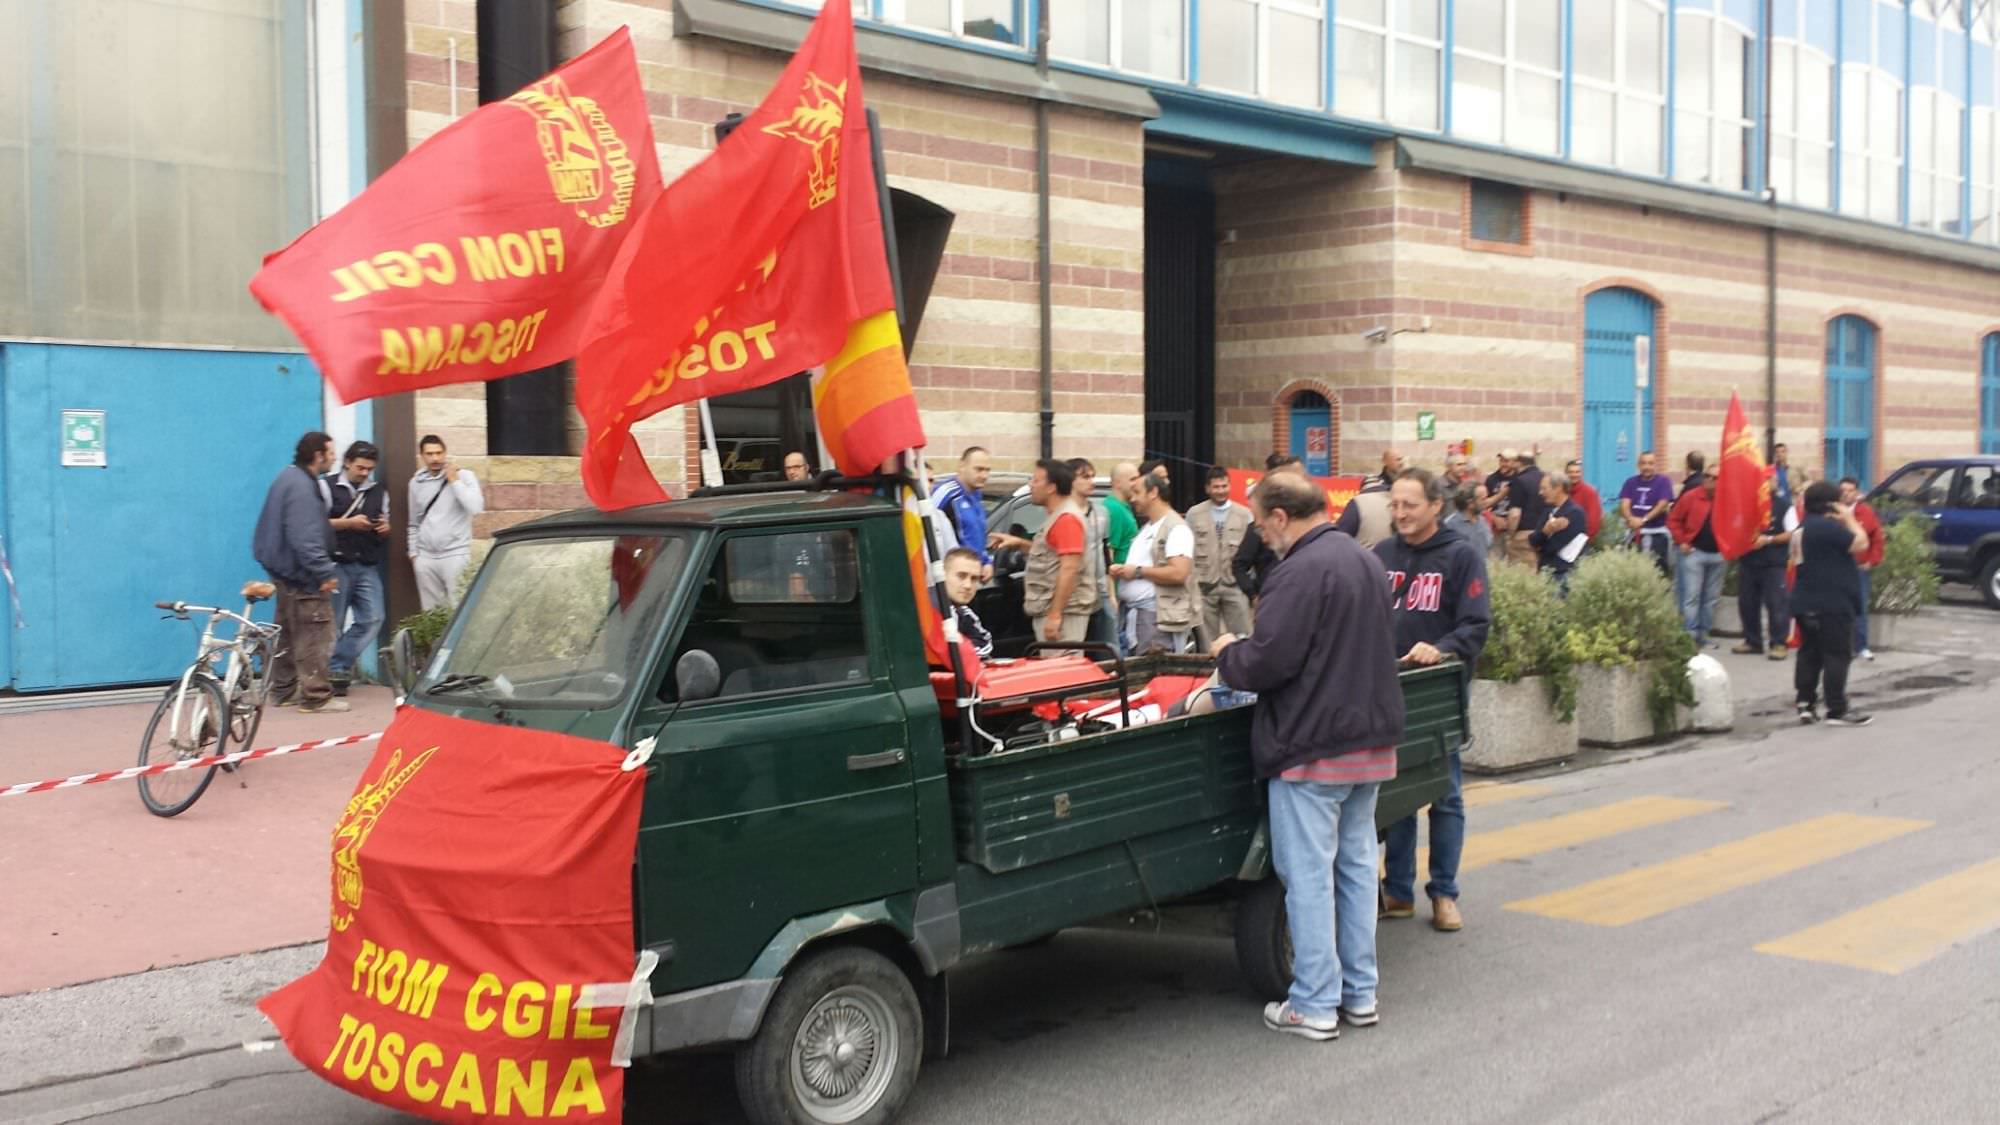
559 622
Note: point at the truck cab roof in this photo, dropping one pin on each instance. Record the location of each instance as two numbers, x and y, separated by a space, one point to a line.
722 508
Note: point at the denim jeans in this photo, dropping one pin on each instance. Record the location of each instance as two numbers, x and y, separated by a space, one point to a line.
1447 844
1861 619
1760 592
1323 847
1660 545
1700 579
360 591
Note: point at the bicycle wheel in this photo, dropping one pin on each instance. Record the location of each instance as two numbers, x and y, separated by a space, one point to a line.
197 731
246 712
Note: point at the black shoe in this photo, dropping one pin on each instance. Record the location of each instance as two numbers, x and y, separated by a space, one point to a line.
339 684
1807 714
1850 719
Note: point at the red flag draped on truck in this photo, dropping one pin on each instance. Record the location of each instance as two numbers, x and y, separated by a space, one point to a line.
764 260
1742 487
480 964
477 255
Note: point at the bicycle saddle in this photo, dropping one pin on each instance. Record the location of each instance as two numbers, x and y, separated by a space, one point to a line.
254 591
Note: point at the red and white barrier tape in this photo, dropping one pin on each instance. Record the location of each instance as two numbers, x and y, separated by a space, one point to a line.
185 764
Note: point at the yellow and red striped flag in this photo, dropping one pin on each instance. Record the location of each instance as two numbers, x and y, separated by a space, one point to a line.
862 401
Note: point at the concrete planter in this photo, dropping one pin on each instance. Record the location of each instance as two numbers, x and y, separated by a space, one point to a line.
1883 628
1513 727
1611 705
1728 622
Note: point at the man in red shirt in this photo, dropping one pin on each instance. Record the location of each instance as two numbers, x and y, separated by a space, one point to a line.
1060 593
1691 522
1850 495
1585 497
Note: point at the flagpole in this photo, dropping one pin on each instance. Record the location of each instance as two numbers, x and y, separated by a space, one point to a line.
711 456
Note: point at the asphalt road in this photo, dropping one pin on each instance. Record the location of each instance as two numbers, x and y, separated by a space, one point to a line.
1788 925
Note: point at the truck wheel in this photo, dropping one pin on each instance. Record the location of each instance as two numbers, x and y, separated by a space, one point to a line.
1989 580
841 1044
1263 940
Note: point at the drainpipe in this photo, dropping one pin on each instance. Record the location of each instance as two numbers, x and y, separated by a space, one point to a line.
1045 288
1770 268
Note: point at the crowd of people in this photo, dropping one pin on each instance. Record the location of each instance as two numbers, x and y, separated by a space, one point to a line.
1319 646
321 537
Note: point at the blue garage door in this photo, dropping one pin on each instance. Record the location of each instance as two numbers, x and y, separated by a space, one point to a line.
1989 394
1613 320
192 440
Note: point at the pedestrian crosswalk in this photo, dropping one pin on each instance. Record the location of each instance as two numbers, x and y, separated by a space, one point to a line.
1898 933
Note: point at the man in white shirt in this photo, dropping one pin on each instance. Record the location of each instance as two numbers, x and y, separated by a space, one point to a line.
443 500
1156 580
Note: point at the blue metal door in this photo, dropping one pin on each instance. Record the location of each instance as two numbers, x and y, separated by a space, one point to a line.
192 440
1613 437
1312 433
1989 394
1850 399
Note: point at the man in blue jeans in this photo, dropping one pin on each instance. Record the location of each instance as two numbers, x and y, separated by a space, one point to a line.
358 508
1329 715
1437 592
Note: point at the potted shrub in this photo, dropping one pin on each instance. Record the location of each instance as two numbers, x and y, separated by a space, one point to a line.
1904 581
1523 707
1630 649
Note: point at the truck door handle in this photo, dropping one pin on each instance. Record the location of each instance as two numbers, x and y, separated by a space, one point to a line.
876 761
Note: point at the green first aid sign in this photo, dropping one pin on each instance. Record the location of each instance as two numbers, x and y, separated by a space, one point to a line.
1427 425
83 439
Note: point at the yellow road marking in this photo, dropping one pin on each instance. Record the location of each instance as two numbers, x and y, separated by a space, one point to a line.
1646 892
1483 849
1904 931
1483 793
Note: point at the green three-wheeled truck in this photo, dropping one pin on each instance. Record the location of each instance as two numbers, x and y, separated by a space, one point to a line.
830 825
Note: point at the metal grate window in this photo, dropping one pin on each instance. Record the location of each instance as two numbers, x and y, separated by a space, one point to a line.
1499 213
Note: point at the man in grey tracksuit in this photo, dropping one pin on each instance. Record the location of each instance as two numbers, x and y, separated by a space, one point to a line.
443 500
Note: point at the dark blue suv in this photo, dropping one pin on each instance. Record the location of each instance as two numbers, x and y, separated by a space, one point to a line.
1962 494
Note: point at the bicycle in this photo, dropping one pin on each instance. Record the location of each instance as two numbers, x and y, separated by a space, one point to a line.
217 700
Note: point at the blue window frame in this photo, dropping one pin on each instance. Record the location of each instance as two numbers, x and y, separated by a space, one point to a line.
1989 394
1850 399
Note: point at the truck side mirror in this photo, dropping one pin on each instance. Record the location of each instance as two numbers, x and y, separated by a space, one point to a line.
697 676
402 661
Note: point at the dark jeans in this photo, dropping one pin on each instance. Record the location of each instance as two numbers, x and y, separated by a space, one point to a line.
1760 591
305 646
1660 545
1826 645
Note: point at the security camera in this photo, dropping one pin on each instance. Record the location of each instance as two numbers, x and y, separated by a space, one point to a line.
1377 335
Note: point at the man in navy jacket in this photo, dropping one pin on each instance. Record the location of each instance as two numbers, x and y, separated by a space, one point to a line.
1329 715
1437 591
293 543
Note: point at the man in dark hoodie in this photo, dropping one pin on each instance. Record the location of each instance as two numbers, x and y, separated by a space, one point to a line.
293 543
1329 715
1437 591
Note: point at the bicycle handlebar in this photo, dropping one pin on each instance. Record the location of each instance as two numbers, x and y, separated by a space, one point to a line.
182 609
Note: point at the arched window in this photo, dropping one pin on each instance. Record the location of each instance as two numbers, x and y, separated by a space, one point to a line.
1989 394
1850 399
1312 432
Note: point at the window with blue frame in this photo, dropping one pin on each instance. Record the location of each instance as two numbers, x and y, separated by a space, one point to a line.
1146 37
1386 62
1714 94
1802 69
1871 109
1270 49
997 21
1850 398
1984 94
1506 86
1937 115
1618 97
1989 394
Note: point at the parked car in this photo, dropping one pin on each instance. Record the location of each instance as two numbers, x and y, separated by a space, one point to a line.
1962 494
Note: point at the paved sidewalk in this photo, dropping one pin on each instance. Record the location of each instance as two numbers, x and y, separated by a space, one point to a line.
95 886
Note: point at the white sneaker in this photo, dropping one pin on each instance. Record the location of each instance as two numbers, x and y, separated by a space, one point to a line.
330 707
1279 1016
1361 1017
1866 654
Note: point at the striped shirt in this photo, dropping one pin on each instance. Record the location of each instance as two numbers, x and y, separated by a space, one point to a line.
1357 768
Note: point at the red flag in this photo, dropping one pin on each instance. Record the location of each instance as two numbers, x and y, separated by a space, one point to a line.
482 885
477 255
751 267
1339 490
1742 487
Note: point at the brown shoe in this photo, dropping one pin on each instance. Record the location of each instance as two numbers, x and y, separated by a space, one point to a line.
1745 648
1396 908
1444 916
1780 653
